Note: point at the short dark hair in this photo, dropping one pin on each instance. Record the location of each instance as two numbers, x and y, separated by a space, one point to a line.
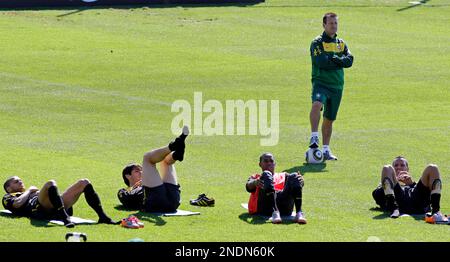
127 171
329 14
7 182
402 158
265 154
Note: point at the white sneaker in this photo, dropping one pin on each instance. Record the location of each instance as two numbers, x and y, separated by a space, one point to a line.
395 213
299 218
327 155
314 142
185 130
436 218
276 217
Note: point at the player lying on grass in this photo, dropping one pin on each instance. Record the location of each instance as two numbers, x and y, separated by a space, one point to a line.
398 193
147 189
275 193
47 203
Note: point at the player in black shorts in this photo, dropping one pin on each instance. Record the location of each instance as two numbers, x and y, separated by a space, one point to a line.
398 193
132 197
275 193
147 189
47 203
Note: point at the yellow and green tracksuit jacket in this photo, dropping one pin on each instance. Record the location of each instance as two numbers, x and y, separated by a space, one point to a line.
329 58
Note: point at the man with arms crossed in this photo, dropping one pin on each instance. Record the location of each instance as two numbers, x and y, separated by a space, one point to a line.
329 56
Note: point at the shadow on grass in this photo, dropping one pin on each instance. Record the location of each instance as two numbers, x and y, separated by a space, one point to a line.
149 217
33 222
416 4
23 6
385 214
122 208
307 168
259 220
382 215
152 218
252 219
8 215
42 223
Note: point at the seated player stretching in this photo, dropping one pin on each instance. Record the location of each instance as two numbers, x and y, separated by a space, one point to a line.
398 193
147 189
273 193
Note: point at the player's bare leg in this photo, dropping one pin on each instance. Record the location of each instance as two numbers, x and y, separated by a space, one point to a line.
389 181
168 172
49 198
327 130
151 177
431 178
72 194
314 118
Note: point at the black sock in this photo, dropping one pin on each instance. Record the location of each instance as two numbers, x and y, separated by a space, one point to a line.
391 203
178 143
69 211
172 146
178 155
58 204
295 189
298 201
94 201
274 205
435 200
183 136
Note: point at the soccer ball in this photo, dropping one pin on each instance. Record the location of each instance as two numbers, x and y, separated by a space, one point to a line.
314 156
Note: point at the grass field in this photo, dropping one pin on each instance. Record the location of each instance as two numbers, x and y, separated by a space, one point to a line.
84 92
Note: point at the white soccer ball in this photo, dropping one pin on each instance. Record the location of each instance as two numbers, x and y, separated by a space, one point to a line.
314 156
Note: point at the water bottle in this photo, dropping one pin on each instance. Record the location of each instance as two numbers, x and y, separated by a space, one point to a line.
76 237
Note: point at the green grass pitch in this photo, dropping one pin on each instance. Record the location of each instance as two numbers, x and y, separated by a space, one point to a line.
84 92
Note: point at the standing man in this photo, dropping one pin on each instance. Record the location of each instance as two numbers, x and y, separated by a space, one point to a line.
329 55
